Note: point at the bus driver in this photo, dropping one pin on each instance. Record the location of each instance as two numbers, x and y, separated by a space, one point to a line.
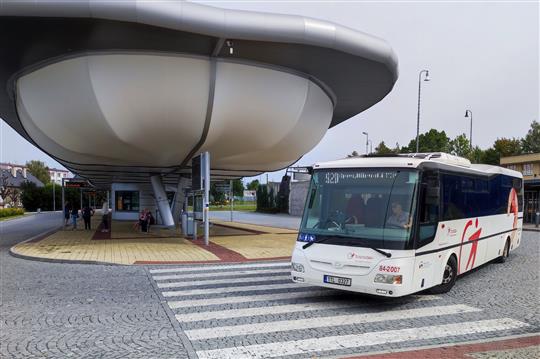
399 217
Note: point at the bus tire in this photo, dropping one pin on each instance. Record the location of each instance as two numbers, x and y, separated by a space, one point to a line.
505 253
449 277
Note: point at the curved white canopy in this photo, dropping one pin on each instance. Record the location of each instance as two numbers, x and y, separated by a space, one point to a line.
119 90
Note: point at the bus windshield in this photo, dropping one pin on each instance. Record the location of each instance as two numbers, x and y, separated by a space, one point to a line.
369 207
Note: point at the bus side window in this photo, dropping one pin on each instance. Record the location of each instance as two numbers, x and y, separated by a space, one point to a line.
429 208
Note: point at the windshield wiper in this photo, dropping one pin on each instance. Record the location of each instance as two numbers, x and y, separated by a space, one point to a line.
322 239
351 242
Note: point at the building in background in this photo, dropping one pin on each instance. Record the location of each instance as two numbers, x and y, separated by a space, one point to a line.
11 178
57 175
529 166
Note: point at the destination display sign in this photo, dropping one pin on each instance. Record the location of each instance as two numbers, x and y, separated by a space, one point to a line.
75 184
346 177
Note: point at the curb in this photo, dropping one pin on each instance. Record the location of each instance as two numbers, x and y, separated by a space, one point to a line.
531 229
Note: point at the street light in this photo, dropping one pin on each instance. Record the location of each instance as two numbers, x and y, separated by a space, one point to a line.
370 146
468 113
367 141
426 78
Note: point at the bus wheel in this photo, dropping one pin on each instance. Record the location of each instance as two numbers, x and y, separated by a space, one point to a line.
505 254
449 277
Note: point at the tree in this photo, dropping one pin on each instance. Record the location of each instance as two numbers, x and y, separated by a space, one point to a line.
490 157
432 141
39 170
507 147
31 196
460 146
8 194
217 196
531 142
253 185
238 188
382 149
353 154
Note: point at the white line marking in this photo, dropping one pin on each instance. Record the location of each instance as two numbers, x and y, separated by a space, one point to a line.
260 280
221 274
319 322
274 309
261 351
201 303
206 267
181 293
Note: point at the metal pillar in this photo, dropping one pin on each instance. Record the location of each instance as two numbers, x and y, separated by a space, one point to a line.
162 201
206 198
232 198
53 196
63 204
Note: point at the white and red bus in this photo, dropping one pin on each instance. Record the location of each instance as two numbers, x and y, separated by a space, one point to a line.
397 225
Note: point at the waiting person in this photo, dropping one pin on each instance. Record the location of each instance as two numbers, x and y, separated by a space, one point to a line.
87 214
67 213
142 224
105 217
150 220
74 216
399 217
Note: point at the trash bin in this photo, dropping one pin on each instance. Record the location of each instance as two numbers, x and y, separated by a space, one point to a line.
184 221
190 227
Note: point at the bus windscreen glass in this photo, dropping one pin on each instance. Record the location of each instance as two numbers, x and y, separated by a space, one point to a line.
363 207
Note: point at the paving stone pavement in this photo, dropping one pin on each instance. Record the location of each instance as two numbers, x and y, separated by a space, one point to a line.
52 310
224 314
96 311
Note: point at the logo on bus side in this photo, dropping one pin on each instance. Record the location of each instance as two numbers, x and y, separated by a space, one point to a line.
474 245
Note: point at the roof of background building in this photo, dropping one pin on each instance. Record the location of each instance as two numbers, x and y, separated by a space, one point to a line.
19 179
528 157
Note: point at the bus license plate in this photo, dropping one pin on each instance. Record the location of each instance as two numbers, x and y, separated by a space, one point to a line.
337 280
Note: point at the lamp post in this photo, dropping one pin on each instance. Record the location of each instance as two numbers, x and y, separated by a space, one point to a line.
367 141
370 147
426 78
468 113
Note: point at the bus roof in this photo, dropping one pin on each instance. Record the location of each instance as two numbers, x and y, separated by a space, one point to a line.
416 160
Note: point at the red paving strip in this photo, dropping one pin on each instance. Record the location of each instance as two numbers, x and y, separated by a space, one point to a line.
99 235
460 351
224 254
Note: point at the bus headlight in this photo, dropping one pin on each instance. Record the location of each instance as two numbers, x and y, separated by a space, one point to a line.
297 267
388 278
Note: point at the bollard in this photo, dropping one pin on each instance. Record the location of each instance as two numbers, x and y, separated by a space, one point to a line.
537 221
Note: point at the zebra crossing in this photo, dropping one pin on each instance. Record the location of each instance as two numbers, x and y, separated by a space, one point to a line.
253 310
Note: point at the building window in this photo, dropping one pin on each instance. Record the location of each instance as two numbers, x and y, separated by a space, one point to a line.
512 167
528 169
127 201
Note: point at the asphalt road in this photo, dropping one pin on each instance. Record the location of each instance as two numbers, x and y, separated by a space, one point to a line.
63 310
13 231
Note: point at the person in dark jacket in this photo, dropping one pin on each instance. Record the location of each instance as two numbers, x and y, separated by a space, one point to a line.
87 213
67 213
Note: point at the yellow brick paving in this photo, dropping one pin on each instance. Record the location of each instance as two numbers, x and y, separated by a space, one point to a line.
128 246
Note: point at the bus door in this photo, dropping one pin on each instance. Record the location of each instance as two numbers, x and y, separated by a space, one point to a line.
425 269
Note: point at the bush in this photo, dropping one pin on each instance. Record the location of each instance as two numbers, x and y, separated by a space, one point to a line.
9 212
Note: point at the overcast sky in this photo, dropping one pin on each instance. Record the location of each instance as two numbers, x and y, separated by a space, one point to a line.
482 56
